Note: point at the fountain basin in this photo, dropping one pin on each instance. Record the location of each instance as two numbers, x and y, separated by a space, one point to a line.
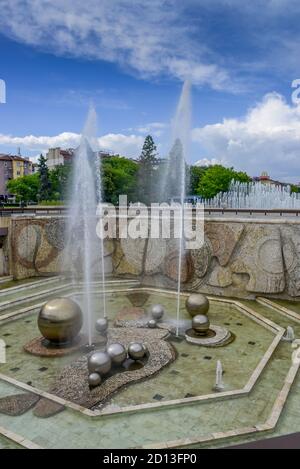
168 383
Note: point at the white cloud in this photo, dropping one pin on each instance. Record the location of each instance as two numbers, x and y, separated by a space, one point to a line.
126 145
156 129
207 162
267 138
153 38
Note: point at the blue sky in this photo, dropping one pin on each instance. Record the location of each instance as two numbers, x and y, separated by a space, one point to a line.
130 58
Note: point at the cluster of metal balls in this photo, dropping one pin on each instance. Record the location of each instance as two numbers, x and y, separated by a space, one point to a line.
157 312
198 305
100 363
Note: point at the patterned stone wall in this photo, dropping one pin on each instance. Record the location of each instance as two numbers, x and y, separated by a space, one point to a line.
240 258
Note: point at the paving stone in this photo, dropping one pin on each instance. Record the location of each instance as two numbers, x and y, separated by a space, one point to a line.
46 408
18 404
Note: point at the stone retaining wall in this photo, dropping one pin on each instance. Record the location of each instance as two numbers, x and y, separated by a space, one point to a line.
240 257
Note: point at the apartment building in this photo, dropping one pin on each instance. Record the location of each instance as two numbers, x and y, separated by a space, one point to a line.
57 156
12 167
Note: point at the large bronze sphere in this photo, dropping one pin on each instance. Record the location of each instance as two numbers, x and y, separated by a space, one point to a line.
99 362
117 353
101 325
157 312
60 320
136 350
197 304
94 379
200 324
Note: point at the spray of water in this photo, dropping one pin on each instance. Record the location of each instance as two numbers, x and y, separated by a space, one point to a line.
255 195
181 135
84 250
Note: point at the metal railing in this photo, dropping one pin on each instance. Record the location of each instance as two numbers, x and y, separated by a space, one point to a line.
60 210
8 212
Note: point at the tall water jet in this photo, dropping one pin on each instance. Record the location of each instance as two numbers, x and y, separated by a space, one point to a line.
84 250
177 165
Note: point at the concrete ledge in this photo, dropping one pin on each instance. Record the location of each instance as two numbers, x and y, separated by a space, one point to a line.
280 309
20 440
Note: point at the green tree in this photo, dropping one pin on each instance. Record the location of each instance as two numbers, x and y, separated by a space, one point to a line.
217 178
59 178
119 176
146 190
295 188
196 174
25 188
45 183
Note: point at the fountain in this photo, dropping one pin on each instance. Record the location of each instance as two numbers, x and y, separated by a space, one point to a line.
84 250
289 335
255 195
219 385
174 181
202 332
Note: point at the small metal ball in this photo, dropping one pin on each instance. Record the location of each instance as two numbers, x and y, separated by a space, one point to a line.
136 350
146 349
94 379
200 324
157 312
99 362
197 304
152 323
117 353
101 325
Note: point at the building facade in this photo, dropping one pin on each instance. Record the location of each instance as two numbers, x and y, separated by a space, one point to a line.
57 156
12 167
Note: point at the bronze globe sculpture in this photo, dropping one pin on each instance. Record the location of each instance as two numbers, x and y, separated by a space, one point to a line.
60 320
196 303
200 324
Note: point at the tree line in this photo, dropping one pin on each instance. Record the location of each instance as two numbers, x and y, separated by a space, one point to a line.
148 179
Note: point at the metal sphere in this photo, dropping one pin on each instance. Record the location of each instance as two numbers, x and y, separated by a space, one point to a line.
60 320
101 325
99 362
145 349
197 304
157 312
152 323
200 324
136 350
117 353
94 379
